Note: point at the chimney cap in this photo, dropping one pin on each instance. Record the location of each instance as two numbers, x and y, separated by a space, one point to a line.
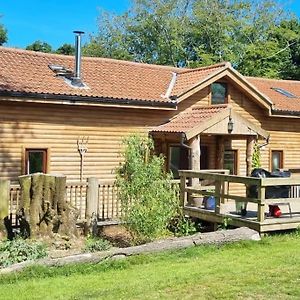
78 32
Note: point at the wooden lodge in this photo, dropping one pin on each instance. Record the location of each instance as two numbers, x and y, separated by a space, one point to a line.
56 120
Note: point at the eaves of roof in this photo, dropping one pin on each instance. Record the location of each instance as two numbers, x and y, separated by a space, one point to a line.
85 100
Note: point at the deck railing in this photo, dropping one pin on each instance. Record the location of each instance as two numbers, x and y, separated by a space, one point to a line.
108 204
221 190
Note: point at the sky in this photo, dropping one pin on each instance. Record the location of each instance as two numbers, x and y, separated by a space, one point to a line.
53 21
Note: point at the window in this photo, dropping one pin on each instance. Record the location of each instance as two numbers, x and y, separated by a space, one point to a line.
204 157
218 93
284 92
178 159
276 160
35 161
230 161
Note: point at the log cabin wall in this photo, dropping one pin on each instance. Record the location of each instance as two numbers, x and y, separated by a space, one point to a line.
57 128
284 132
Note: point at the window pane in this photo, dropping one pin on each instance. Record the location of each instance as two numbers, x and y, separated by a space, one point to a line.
276 160
230 161
174 160
218 93
35 162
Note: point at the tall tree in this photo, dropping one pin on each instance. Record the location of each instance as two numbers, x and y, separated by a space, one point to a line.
248 33
3 34
288 35
66 49
40 46
151 31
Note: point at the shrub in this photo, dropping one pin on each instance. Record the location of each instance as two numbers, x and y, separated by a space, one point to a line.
94 244
19 250
256 156
148 198
181 225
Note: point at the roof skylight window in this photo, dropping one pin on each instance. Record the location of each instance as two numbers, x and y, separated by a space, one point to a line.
284 92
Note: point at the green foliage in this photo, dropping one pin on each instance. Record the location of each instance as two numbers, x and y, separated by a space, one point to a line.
3 35
147 195
181 225
94 244
19 250
66 49
256 156
225 224
40 46
255 273
256 36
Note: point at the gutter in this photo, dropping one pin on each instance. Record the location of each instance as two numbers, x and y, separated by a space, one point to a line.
70 99
285 113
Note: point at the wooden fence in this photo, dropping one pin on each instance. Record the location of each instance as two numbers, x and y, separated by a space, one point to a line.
268 191
108 205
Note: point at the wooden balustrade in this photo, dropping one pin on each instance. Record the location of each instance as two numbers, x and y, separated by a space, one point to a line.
108 204
223 180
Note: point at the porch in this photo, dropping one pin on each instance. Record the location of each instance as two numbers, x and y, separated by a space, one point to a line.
214 137
218 183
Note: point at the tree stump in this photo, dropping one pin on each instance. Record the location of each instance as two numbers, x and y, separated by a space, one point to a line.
44 209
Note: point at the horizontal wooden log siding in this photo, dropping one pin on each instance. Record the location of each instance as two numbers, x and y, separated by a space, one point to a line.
223 180
57 128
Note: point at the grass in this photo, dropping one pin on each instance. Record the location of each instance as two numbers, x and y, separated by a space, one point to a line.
248 270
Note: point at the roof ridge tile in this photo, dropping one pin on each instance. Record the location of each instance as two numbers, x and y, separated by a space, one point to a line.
223 64
103 59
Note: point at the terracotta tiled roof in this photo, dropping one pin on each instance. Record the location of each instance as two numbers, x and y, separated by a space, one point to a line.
281 102
28 72
186 79
190 118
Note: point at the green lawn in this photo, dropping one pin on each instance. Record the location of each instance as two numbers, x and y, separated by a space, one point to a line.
269 269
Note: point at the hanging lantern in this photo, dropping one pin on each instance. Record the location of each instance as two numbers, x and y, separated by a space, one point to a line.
230 125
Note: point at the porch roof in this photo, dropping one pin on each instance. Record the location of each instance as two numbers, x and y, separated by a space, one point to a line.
209 120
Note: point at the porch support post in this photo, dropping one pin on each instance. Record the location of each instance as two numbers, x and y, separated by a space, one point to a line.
4 202
164 150
91 206
194 143
249 153
220 152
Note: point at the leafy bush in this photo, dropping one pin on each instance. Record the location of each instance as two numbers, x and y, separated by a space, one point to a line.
19 250
181 225
148 198
256 156
94 244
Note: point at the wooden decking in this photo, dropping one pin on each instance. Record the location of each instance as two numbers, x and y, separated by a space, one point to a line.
250 220
257 216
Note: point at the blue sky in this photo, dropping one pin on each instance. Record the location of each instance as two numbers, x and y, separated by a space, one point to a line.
53 21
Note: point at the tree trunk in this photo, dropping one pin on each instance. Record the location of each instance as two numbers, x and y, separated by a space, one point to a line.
43 207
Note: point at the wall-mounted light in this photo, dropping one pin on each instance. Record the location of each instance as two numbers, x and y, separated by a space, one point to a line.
230 125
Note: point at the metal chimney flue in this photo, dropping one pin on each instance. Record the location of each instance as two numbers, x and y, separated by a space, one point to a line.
77 74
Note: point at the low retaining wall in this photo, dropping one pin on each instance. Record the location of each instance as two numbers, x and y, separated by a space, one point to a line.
216 238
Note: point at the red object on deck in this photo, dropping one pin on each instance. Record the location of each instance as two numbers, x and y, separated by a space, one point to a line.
275 211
